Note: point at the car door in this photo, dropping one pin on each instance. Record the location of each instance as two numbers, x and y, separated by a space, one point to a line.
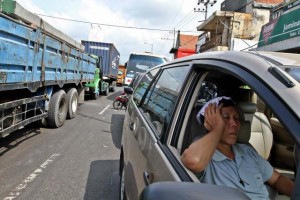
230 79
147 120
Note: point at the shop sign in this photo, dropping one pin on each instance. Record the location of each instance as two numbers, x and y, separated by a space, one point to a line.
285 27
288 4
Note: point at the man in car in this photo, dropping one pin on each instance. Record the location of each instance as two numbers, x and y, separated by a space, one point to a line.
222 161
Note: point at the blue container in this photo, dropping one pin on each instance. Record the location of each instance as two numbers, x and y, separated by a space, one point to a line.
29 59
109 55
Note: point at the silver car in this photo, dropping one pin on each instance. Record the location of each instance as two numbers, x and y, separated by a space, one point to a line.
160 120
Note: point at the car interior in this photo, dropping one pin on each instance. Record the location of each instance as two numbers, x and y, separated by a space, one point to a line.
260 128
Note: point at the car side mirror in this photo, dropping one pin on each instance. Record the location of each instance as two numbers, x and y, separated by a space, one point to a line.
128 90
190 191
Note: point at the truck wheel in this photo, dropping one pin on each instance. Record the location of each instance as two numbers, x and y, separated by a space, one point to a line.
96 95
113 88
72 100
42 122
57 109
106 91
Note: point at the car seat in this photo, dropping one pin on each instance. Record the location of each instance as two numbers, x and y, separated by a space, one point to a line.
261 137
282 151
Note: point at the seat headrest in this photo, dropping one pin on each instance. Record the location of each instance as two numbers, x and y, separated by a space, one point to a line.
247 107
247 110
244 132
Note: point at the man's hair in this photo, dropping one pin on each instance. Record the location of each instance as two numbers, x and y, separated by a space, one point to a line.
227 103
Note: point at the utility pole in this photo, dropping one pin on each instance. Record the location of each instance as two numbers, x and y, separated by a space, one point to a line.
205 3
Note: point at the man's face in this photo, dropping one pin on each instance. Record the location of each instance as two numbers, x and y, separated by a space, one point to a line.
232 125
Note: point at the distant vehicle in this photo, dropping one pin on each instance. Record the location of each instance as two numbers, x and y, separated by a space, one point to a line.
121 101
42 71
109 58
160 121
135 80
121 75
141 62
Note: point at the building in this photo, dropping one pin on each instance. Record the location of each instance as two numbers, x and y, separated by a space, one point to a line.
236 26
282 32
185 45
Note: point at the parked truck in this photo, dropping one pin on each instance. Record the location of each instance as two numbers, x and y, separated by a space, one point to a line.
96 86
121 75
108 63
42 71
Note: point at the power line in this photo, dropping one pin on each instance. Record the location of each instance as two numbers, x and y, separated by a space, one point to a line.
189 20
187 16
111 25
180 7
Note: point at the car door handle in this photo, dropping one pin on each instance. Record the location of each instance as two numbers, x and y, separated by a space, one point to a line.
148 177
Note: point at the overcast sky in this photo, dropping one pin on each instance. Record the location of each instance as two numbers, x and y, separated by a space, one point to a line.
164 15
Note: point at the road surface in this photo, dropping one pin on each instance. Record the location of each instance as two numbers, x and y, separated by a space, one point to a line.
77 161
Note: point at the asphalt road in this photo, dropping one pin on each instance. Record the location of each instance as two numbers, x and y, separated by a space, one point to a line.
77 161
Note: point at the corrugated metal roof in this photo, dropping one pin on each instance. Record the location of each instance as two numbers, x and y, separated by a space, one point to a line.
188 41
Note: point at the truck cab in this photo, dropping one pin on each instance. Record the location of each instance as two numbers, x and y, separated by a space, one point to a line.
121 75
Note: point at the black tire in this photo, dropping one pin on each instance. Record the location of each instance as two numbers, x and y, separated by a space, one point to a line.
113 89
117 104
96 96
106 91
72 100
58 107
42 122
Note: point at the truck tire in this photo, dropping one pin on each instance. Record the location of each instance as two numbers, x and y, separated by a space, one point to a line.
113 89
106 91
58 107
96 96
72 100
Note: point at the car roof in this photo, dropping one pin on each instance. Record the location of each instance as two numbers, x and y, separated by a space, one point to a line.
258 63
149 54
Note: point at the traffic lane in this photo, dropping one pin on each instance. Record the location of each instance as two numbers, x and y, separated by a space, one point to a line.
82 156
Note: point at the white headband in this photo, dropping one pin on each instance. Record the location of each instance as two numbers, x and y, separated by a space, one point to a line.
215 100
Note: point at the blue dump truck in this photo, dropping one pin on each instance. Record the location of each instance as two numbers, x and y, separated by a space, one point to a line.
42 71
109 58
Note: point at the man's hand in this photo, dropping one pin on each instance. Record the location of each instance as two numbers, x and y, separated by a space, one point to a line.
213 117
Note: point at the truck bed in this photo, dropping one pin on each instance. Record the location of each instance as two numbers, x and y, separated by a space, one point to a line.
30 58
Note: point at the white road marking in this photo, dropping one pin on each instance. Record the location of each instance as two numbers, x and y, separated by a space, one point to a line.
17 191
100 113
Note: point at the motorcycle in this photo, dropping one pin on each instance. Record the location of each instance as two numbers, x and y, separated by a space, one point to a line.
120 101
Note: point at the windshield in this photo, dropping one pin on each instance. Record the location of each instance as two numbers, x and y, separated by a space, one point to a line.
294 72
142 63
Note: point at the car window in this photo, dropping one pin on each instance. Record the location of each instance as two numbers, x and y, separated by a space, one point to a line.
143 85
208 91
267 134
161 99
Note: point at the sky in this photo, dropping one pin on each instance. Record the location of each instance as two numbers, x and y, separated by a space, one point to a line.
105 21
